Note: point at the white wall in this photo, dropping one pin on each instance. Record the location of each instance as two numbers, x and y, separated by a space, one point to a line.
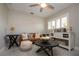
73 11
21 21
74 20
3 23
24 22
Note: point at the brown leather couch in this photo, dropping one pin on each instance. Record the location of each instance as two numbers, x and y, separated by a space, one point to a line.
34 37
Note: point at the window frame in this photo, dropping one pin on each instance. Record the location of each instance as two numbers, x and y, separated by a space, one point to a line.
55 24
48 25
66 15
60 17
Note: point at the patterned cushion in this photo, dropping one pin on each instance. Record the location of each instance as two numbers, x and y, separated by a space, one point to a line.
37 36
45 38
24 36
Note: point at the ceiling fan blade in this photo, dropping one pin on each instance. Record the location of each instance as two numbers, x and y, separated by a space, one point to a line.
49 6
33 5
41 9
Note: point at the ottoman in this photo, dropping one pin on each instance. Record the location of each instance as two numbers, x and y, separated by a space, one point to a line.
26 45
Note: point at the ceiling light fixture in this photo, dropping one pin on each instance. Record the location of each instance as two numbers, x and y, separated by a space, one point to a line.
43 5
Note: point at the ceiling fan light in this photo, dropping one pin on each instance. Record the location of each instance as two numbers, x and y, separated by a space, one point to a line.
43 5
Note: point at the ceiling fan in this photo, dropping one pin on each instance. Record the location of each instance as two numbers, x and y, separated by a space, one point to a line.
42 5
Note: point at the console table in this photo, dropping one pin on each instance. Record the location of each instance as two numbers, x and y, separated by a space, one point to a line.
67 38
12 39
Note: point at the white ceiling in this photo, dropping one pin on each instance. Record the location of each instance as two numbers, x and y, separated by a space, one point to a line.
24 7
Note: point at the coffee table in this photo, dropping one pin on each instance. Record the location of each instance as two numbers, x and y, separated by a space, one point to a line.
46 46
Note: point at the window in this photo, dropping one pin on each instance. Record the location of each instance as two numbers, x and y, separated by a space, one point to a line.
53 24
58 23
64 22
49 25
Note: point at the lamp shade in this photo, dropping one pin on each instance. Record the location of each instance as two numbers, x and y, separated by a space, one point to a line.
12 28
